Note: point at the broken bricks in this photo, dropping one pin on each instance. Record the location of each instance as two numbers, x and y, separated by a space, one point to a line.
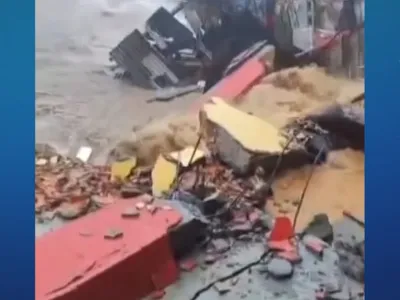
113 234
222 287
130 212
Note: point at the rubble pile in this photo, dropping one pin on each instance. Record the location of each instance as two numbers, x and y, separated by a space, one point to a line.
233 176
69 188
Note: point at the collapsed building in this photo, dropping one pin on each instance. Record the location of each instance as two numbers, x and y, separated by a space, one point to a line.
208 40
257 192
234 170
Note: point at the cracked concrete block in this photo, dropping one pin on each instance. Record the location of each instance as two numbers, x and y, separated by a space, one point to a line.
237 136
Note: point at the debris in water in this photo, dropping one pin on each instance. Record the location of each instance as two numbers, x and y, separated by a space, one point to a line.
187 156
84 153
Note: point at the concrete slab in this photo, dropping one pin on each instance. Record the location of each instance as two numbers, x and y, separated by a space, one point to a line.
81 261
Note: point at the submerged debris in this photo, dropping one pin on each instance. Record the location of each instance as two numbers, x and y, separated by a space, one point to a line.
224 186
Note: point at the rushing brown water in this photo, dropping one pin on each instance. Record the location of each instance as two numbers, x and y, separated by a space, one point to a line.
78 102
335 186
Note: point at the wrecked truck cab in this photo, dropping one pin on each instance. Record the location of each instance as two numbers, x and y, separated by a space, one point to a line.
171 54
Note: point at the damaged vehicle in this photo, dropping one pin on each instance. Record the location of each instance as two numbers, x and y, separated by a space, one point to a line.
214 39
203 40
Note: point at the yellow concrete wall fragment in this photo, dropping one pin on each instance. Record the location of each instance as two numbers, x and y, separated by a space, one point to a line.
163 176
183 157
122 169
252 133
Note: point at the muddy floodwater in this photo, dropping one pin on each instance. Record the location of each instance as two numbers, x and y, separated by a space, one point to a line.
335 186
77 100
79 103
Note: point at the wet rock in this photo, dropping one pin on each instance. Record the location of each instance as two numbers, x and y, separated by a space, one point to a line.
321 228
333 286
222 287
240 229
220 246
351 261
234 281
279 268
352 266
210 259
